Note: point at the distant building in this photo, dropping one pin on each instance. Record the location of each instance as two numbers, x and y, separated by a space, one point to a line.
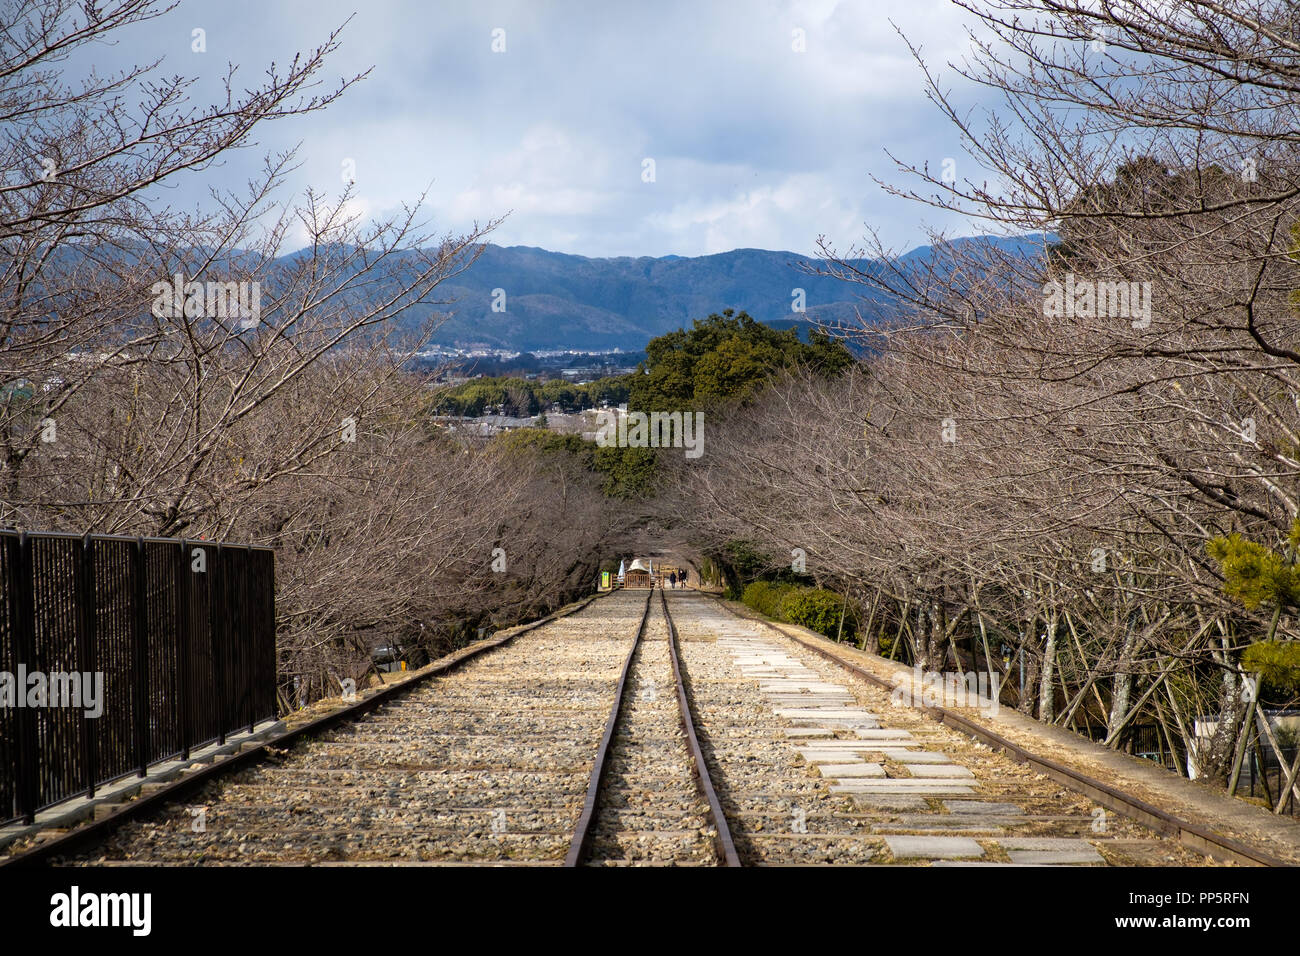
647 574
484 426
637 575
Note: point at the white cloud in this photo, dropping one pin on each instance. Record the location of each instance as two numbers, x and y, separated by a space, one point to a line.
756 145
764 216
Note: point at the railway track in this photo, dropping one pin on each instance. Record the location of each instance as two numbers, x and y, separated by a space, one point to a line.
517 757
647 728
816 765
651 798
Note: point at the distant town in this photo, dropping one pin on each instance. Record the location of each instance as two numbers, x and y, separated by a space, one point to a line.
454 365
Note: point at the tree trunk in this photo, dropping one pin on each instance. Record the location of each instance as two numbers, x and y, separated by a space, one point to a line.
936 649
1122 684
1047 692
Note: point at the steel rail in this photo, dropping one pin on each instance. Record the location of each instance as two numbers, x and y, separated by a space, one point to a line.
583 832
723 842
101 828
1192 835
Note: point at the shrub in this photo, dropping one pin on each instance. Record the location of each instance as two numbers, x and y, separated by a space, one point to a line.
765 597
816 609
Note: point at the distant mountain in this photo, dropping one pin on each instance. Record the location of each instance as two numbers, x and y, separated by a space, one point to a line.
555 300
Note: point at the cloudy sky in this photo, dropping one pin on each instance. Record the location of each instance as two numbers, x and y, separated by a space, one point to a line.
754 144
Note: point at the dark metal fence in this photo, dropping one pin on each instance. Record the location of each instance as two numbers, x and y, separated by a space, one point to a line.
1149 743
180 633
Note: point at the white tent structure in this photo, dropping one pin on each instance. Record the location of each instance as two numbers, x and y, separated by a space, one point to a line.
639 575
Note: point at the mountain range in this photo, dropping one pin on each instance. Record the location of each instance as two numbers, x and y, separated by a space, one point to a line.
522 298
556 300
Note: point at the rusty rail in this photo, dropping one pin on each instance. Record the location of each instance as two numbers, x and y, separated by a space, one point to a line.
722 839
582 834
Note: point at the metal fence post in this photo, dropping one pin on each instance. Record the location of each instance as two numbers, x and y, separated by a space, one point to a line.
185 637
267 616
86 654
140 657
23 633
252 635
265 630
215 621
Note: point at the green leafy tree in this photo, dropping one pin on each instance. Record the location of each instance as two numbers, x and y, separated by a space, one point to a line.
1255 574
629 472
726 357
527 397
622 472
548 442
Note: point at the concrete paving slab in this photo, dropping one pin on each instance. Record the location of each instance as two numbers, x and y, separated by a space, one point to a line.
1017 842
982 807
896 829
1252 825
890 801
803 701
949 771
881 735
812 682
973 863
1049 851
935 787
917 756
850 770
850 745
955 821
1054 857
933 847
831 756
